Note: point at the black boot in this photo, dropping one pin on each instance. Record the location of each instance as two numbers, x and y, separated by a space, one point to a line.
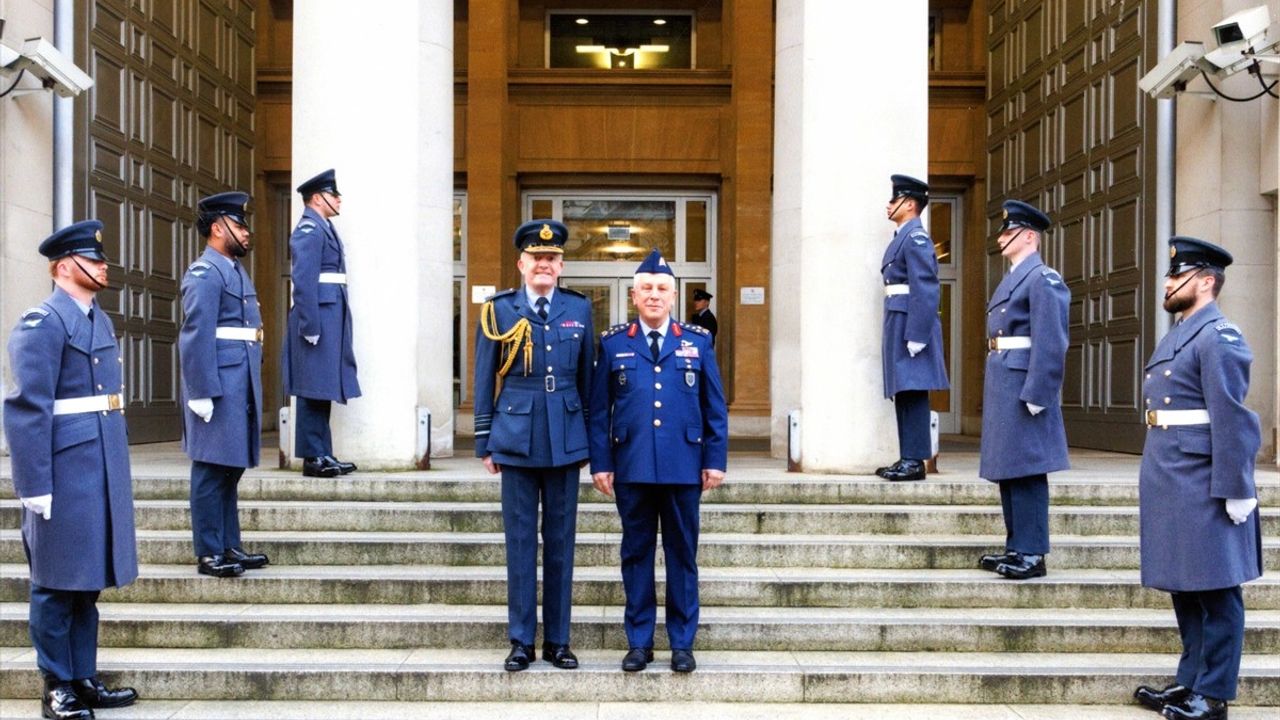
93 693
59 702
319 467
990 562
1155 699
904 470
1022 567
1197 707
344 468
218 566
247 560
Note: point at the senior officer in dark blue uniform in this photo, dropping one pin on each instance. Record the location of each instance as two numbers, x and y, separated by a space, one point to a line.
534 359
70 453
659 438
319 364
1023 437
220 350
911 346
1200 533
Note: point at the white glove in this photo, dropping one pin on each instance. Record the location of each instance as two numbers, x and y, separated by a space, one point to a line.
914 347
1239 510
1035 409
202 407
40 505
313 339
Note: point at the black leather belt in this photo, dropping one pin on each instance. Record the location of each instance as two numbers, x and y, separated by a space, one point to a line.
546 383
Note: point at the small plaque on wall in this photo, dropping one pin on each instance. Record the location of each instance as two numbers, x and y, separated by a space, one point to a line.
751 296
480 292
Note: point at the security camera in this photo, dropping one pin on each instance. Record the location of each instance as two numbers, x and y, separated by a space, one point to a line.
1244 28
42 59
1173 72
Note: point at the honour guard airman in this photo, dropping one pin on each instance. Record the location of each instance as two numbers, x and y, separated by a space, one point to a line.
220 353
911 346
702 315
659 438
1023 436
319 363
1201 537
534 359
70 451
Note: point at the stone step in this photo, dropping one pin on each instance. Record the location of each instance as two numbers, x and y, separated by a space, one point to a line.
759 487
722 676
389 710
772 518
593 585
162 625
173 547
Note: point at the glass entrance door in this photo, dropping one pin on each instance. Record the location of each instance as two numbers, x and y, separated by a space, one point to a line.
610 299
946 223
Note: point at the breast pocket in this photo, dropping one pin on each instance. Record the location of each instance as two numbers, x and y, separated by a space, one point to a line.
623 374
689 374
570 341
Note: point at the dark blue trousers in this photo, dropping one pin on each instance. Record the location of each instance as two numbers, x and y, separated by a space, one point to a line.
64 632
1025 502
215 512
914 441
522 490
1211 623
642 507
312 437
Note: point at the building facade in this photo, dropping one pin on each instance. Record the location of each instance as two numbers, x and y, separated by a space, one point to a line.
751 141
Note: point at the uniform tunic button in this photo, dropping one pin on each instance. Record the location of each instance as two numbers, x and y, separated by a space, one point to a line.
1148 376
657 386
1167 401
548 348
549 368
546 327
1004 309
1148 401
575 336
657 368
657 403
95 361
999 332
1167 373
99 387
657 422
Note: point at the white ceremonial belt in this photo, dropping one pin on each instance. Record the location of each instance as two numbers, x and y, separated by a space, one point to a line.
247 334
890 290
92 403
1165 418
334 278
1010 342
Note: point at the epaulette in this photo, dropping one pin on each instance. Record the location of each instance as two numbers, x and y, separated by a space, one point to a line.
32 317
199 268
570 291
694 328
614 330
306 226
500 293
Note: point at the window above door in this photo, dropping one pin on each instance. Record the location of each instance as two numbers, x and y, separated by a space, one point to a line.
620 39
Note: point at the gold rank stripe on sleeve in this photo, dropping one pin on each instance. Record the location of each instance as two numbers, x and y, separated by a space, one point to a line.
518 338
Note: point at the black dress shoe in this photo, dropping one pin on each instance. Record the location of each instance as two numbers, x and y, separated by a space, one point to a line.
60 702
319 467
519 657
682 661
989 562
905 470
218 566
1155 699
637 659
890 468
560 656
249 561
343 467
1196 707
93 693
1022 567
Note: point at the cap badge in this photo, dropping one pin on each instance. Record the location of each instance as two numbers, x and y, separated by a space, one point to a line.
545 233
1004 214
1173 252
97 235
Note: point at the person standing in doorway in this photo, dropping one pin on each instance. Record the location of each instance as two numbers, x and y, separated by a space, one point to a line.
702 315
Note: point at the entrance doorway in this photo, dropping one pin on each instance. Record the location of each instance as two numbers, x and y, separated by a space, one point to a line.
946 227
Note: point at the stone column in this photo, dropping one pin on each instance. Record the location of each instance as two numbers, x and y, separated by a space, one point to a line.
373 98
851 108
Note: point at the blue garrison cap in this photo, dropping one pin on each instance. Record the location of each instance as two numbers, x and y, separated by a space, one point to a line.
909 186
655 264
82 238
324 182
1018 214
1188 253
541 236
231 204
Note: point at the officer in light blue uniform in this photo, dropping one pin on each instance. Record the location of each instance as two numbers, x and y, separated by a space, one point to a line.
1023 436
534 359
1201 537
220 351
70 451
911 346
319 363
659 438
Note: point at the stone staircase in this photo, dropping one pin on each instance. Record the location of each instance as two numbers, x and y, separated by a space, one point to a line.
815 589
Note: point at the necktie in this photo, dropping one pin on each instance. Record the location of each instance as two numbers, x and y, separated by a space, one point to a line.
90 316
654 335
542 308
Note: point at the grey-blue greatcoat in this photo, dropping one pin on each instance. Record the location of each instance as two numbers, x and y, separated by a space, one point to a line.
910 260
326 370
229 371
82 459
529 426
1031 301
1188 542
